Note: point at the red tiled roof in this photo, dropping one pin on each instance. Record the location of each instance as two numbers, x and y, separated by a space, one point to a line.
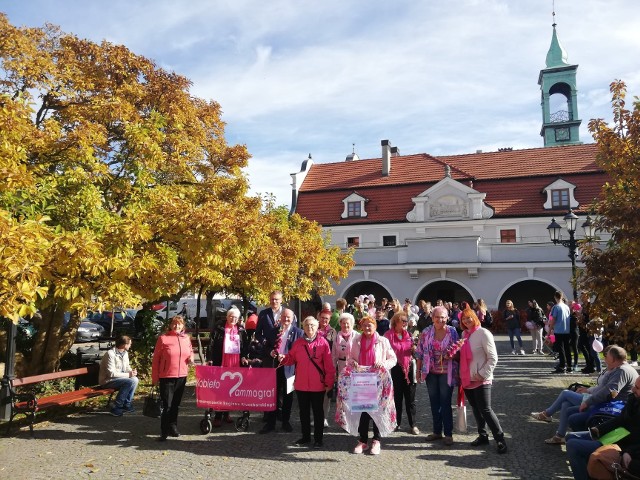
513 181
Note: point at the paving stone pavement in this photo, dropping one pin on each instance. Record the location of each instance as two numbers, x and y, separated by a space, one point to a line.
97 445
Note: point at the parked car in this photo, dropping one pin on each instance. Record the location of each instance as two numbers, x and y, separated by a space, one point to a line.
89 332
237 302
122 322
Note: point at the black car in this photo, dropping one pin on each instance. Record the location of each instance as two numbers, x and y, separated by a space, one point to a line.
122 321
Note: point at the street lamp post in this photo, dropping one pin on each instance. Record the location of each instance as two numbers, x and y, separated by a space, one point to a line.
571 221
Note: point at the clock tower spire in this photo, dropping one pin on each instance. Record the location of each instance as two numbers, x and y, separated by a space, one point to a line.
558 87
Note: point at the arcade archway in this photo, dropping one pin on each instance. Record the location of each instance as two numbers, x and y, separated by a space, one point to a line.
446 291
520 293
366 288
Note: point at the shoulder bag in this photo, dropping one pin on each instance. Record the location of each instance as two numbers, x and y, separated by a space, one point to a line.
153 404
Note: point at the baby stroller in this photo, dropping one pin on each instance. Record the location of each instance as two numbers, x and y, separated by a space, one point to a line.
241 423
253 359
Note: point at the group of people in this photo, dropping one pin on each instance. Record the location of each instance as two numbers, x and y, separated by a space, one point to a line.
448 357
440 355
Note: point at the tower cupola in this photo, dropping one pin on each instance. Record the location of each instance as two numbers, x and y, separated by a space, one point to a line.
559 97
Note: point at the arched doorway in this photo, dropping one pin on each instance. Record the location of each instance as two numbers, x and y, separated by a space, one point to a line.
520 293
446 291
366 288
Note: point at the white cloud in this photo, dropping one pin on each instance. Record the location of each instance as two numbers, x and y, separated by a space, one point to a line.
301 76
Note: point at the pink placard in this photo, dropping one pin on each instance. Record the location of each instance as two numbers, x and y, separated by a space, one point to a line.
224 388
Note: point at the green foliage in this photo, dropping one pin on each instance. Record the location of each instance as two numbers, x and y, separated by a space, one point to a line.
141 352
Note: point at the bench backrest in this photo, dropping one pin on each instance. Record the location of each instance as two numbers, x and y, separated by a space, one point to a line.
19 382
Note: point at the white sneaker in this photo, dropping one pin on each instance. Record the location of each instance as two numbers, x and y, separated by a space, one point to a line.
361 447
375 448
326 424
415 430
522 351
513 352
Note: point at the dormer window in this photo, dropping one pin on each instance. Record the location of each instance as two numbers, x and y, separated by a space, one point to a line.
560 198
354 209
354 206
560 195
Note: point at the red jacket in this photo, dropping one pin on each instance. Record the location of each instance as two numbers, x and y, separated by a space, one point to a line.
171 357
308 378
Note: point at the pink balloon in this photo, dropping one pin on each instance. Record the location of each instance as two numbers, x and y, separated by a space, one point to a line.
597 345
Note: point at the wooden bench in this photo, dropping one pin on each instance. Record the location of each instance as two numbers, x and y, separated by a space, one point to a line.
29 404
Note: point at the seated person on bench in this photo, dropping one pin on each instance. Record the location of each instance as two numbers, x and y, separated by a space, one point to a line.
115 372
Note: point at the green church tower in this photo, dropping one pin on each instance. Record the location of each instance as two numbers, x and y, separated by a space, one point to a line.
561 127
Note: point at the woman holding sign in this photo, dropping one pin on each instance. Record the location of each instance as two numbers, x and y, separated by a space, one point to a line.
372 350
315 375
227 347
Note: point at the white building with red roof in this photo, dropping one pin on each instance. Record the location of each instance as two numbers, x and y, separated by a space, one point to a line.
460 227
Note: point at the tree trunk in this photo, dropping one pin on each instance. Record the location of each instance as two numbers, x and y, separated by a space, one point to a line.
50 342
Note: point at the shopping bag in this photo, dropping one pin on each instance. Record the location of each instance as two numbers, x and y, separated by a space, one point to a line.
461 413
152 405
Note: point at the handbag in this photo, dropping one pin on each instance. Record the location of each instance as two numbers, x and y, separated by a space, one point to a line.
152 404
605 464
461 413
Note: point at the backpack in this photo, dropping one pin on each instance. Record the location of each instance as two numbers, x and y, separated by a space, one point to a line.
488 319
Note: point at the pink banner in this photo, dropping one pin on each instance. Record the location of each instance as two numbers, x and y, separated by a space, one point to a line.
223 388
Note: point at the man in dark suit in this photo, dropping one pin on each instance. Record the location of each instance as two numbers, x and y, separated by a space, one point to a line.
267 334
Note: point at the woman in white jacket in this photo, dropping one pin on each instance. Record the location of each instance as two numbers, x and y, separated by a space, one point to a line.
478 358
375 351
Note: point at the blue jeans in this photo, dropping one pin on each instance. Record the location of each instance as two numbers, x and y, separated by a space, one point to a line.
579 447
566 396
440 394
126 389
578 421
514 332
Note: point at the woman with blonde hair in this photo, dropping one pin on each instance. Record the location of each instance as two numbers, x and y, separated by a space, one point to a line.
403 374
372 350
478 359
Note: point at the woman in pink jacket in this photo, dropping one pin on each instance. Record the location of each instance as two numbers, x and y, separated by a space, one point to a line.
172 358
315 374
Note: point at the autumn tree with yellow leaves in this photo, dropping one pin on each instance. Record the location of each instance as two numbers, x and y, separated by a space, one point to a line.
118 185
612 271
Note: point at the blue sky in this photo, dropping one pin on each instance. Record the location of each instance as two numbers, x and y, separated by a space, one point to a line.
300 76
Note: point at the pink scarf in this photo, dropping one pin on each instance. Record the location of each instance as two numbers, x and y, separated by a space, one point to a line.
402 348
367 351
230 359
465 358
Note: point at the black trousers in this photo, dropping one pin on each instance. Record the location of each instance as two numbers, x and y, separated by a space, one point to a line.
284 400
583 346
363 428
403 390
171 390
563 341
573 344
480 401
308 401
